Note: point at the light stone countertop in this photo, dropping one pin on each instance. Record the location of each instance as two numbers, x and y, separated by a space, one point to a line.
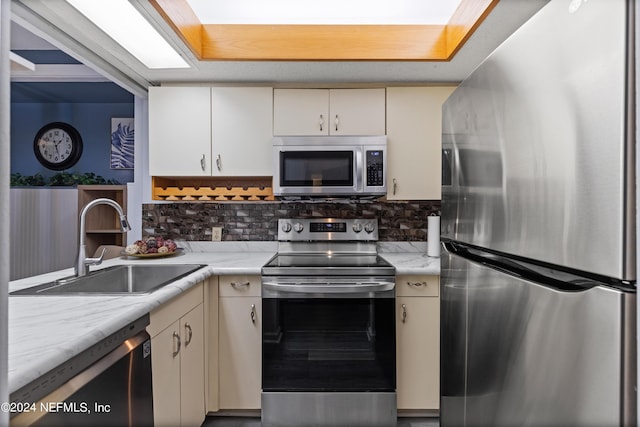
413 263
46 331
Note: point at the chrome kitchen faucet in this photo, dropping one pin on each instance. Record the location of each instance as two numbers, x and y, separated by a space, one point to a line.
82 262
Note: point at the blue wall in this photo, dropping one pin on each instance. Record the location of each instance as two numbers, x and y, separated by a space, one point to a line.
92 120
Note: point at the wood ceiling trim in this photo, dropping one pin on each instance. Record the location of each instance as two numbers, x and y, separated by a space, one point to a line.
467 17
324 42
184 22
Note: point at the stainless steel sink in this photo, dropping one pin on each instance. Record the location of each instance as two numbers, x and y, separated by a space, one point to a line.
119 279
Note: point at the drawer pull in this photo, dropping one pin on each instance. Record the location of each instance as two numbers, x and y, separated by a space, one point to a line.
240 285
417 284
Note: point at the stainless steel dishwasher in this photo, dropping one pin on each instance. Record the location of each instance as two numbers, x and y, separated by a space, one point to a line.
109 384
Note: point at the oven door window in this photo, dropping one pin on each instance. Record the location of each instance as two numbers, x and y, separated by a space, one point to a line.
317 168
328 344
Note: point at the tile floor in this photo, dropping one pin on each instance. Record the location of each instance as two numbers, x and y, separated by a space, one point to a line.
255 422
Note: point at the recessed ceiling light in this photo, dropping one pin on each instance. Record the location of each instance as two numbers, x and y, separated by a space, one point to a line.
333 12
124 24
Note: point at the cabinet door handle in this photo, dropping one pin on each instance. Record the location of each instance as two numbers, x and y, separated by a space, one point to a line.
189 332
219 163
417 284
404 313
253 313
337 122
321 122
395 186
203 162
240 285
177 343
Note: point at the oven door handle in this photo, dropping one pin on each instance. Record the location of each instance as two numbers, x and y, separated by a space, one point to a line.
328 288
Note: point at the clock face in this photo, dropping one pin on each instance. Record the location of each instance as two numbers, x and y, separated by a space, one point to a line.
57 146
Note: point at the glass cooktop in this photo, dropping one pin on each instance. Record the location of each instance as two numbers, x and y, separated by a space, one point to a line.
327 264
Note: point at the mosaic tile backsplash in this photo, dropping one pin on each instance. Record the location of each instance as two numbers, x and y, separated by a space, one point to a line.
258 221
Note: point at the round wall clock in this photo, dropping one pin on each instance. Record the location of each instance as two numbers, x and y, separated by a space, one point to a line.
57 145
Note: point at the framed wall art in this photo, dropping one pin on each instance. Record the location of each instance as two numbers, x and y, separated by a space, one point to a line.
122 132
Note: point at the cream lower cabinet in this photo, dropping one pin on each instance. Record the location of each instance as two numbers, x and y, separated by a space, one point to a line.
418 342
240 342
177 360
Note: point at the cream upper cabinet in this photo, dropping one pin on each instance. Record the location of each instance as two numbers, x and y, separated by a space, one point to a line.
205 131
180 131
414 138
311 112
418 342
242 131
300 112
357 112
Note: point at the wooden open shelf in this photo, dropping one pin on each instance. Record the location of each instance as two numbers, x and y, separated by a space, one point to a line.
212 189
102 222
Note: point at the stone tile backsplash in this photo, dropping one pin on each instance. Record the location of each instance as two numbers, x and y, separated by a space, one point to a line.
258 221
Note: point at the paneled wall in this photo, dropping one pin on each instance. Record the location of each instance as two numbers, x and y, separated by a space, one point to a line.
258 221
44 230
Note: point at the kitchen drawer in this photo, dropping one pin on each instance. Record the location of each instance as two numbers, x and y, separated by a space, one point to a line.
239 286
417 285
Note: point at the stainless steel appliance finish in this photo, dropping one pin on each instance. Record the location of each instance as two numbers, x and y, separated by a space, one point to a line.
539 144
521 352
109 384
119 279
329 166
321 287
335 409
328 330
538 266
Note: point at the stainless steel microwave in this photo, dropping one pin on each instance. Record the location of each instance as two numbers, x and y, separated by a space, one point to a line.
330 166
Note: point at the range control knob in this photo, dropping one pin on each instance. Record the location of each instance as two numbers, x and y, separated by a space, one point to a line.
298 227
369 227
286 227
357 227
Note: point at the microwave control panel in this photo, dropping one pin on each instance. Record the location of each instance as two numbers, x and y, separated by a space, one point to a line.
375 172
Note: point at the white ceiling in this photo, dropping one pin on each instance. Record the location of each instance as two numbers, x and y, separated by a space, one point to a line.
62 26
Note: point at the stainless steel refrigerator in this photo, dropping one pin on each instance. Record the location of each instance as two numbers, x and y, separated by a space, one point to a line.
538 278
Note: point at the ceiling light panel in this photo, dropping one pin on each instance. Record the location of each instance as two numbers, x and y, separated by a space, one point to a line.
124 24
327 12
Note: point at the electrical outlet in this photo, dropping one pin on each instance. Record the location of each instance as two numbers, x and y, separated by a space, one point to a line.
216 234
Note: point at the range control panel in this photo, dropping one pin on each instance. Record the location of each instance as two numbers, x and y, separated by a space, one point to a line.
323 229
375 168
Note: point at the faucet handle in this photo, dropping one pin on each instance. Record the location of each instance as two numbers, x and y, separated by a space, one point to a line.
95 261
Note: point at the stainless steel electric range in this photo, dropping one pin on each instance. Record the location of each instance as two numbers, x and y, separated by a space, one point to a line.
328 333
